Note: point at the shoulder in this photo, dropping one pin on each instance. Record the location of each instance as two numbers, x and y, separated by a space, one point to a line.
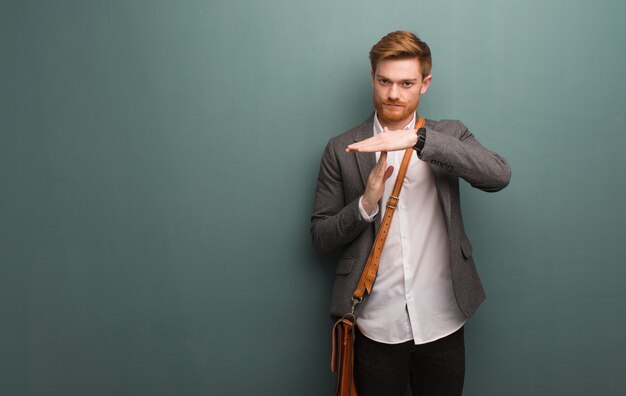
359 132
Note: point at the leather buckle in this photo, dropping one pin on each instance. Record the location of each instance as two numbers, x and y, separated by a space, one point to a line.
392 203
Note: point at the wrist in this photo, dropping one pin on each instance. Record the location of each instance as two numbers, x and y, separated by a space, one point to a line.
367 206
420 141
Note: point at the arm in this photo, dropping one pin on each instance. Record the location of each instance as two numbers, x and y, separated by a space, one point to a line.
336 222
456 151
333 222
465 157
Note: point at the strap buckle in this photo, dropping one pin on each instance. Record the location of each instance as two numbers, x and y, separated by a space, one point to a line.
355 301
392 203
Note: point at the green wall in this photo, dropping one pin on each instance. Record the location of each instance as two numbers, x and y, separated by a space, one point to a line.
157 167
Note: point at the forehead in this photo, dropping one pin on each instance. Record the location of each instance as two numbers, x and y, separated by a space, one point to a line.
399 69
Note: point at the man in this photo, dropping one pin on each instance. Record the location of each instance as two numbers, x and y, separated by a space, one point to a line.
410 327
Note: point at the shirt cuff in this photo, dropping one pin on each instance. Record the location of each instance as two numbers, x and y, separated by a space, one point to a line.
364 214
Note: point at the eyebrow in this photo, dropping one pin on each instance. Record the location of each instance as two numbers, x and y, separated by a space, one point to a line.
380 76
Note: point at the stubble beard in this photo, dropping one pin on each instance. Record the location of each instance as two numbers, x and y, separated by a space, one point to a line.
388 116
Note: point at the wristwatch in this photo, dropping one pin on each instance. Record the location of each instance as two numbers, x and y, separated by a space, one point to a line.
421 139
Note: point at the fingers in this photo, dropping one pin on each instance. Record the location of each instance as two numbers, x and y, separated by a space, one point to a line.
368 145
388 173
355 147
386 141
381 163
381 171
378 172
375 143
383 157
376 182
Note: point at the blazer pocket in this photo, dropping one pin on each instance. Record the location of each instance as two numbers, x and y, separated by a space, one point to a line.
466 247
344 266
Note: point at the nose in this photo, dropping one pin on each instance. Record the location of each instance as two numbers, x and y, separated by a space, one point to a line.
394 92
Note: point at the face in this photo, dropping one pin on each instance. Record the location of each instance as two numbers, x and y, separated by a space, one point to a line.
398 84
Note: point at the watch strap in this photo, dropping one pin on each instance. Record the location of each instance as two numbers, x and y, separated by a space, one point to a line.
421 139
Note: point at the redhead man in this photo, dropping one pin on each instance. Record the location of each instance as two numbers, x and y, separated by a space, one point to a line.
410 327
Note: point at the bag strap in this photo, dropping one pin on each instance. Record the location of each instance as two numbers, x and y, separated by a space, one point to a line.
371 267
366 282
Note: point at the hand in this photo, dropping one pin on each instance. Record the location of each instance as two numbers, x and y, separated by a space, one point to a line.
386 141
376 183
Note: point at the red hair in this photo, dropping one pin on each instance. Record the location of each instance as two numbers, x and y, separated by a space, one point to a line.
402 45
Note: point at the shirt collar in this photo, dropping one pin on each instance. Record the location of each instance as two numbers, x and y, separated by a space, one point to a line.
379 129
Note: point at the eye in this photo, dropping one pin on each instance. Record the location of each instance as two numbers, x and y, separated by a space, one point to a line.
408 84
383 81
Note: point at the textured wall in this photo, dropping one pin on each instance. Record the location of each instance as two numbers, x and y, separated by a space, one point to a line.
158 161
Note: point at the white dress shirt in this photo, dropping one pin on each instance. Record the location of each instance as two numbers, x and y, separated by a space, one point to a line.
412 297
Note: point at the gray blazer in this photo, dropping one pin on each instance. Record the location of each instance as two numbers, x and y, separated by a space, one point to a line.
453 153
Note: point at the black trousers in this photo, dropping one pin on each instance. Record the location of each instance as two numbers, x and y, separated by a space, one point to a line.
433 369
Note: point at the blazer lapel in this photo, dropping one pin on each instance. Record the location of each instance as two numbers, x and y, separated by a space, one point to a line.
365 161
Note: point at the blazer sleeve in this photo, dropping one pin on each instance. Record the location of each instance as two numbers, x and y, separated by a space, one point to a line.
452 147
336 219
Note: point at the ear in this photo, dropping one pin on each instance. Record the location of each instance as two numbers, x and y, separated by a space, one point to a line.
425 83
373 78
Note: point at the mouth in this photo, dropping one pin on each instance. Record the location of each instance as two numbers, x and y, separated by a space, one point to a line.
394 105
